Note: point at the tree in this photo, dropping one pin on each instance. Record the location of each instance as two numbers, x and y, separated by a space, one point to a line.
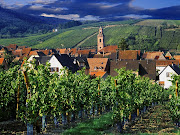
123 45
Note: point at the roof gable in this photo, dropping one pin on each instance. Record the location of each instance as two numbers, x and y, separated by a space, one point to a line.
173 67
152 55
161 57
97 64
1 61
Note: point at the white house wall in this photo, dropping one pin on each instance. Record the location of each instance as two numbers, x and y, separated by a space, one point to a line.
55 63
160 69
163 76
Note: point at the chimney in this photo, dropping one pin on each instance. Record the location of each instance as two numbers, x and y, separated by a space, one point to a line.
172 64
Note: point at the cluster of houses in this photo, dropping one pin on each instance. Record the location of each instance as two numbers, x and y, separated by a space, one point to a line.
157 65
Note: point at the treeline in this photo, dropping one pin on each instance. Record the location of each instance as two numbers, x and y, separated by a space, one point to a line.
69 24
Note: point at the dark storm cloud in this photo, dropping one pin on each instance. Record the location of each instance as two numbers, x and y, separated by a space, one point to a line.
104 9
164 13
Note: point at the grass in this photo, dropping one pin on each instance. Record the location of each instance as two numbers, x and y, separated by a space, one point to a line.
155 121
92 127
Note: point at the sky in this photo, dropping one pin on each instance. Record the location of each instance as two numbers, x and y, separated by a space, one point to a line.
97 9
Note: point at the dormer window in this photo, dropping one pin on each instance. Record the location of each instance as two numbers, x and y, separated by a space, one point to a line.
100 67
95 68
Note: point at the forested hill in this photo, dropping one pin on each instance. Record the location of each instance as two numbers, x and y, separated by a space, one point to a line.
14 24
139 34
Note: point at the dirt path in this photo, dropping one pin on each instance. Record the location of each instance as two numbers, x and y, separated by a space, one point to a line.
84 40
155 120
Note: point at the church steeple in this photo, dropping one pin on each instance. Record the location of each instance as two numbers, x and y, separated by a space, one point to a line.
100 40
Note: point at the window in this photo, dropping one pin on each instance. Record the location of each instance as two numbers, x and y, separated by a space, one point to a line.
167 74
54 69
81 64
95 68
57 69
99 40
100 67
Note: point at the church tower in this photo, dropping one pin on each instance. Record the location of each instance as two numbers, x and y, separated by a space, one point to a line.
100 40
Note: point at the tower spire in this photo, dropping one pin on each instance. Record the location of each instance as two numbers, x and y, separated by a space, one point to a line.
100 39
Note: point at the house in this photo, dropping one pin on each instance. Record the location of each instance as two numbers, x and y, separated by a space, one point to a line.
26 51
99 67
58 62
17 53
33 54
146 68
161 64
82 63
42 60
166 74
12 47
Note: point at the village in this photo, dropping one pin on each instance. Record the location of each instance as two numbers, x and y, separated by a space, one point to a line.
157 65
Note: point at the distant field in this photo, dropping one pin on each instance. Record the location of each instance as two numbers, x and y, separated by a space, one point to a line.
28 41
140 34
158 22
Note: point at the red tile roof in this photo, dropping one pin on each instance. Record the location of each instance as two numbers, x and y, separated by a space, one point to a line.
46 52
73 51
21 47
111 48
128 54
12 47
97 74
63 51
33 53
1 61
152 55
26 51
166 62
17 52
83 52
176 57
97 64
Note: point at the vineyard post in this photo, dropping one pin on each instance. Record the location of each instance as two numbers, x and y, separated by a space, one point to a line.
176 88
18 95
137 112
29 126
99 95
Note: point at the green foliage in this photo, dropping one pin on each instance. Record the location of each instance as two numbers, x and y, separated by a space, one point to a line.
67 39
174 104
122 44
139 34
53 94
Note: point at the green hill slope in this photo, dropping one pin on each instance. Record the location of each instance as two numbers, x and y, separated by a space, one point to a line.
140 34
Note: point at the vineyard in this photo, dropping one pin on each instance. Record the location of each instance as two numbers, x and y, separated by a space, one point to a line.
139 34
34 95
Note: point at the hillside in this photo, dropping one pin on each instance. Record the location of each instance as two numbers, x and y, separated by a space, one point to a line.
139 34
14 24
